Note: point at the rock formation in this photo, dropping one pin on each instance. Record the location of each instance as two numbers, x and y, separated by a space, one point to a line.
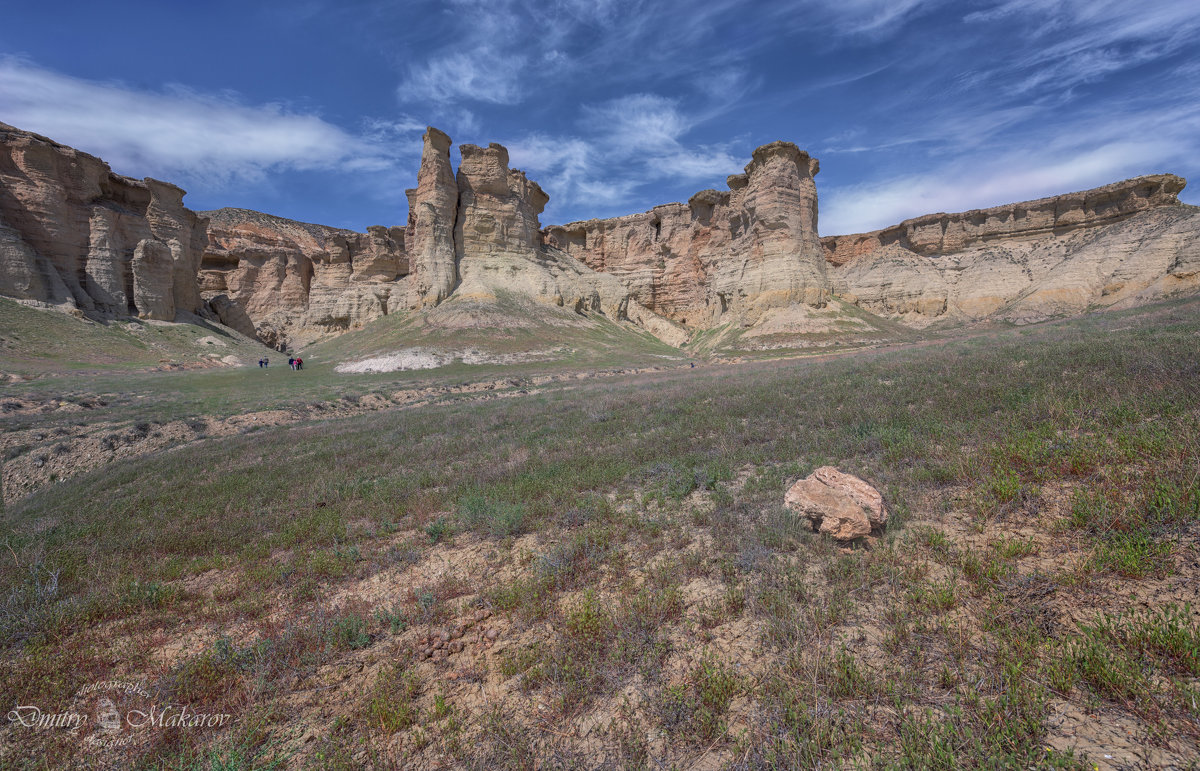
748 259
75 235
432 209
725 255
1123 243
298 281
838 504
498 242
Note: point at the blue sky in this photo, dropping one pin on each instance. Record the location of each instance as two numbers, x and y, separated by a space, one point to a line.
314 110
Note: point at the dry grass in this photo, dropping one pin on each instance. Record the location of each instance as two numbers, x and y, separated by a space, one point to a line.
602 576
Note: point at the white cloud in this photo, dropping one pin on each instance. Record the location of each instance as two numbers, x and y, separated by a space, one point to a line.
637 122
1068 163
482 75
1072 42
180 132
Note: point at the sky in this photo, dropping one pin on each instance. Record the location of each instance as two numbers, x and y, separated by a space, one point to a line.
314 110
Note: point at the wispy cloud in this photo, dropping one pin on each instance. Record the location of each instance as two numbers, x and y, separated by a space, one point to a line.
482 75
624 144
177 132
1073 156
1074 42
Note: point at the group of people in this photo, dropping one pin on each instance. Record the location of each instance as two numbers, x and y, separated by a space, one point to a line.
295 362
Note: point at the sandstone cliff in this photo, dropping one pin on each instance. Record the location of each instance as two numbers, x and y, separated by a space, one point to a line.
75 235
470 236
432 209
498 242
725 255
297 281
747 259
1123 243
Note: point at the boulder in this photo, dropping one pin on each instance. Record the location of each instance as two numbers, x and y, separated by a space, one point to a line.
232 315
838 504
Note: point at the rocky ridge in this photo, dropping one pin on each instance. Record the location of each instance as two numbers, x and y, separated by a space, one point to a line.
732 254
1120 244
76 236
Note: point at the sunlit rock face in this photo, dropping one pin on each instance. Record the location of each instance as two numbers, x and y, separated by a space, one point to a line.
75 235
297 281
1121 244
724 255
432 210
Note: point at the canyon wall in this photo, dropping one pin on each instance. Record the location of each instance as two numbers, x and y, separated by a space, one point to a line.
75 235
296 281
732 254
1124 243
470 235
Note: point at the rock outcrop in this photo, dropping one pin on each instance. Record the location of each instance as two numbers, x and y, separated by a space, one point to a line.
1123 243
432 210
75 235
748 259
298 281
725 255
498 242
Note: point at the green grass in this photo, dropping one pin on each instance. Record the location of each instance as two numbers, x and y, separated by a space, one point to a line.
1106 408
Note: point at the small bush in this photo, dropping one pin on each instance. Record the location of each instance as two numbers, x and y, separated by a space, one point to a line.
391 706
498 519
349 633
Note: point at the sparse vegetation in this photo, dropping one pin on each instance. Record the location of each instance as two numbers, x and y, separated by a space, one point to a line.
600 572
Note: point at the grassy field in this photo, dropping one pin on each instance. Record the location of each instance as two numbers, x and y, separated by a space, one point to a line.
599 573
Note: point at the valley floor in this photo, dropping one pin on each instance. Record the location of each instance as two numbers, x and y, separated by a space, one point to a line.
535 567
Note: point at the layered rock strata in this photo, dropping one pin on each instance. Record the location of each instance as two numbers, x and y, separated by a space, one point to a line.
75 235
432 210
297 281
725 255
499 247
1124 243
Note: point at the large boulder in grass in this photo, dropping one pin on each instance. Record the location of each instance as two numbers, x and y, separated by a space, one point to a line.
836 503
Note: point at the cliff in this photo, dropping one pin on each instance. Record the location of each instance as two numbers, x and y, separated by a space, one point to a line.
75 235
723 255
1124 243
297 281
748 259
475 235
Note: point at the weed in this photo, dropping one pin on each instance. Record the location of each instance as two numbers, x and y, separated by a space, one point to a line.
349 633
439 530
495 518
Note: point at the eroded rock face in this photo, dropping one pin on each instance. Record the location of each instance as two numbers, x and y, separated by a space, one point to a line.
838 504
75 235
432 210
1121 244
470 236
298 281
725 255
498 242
